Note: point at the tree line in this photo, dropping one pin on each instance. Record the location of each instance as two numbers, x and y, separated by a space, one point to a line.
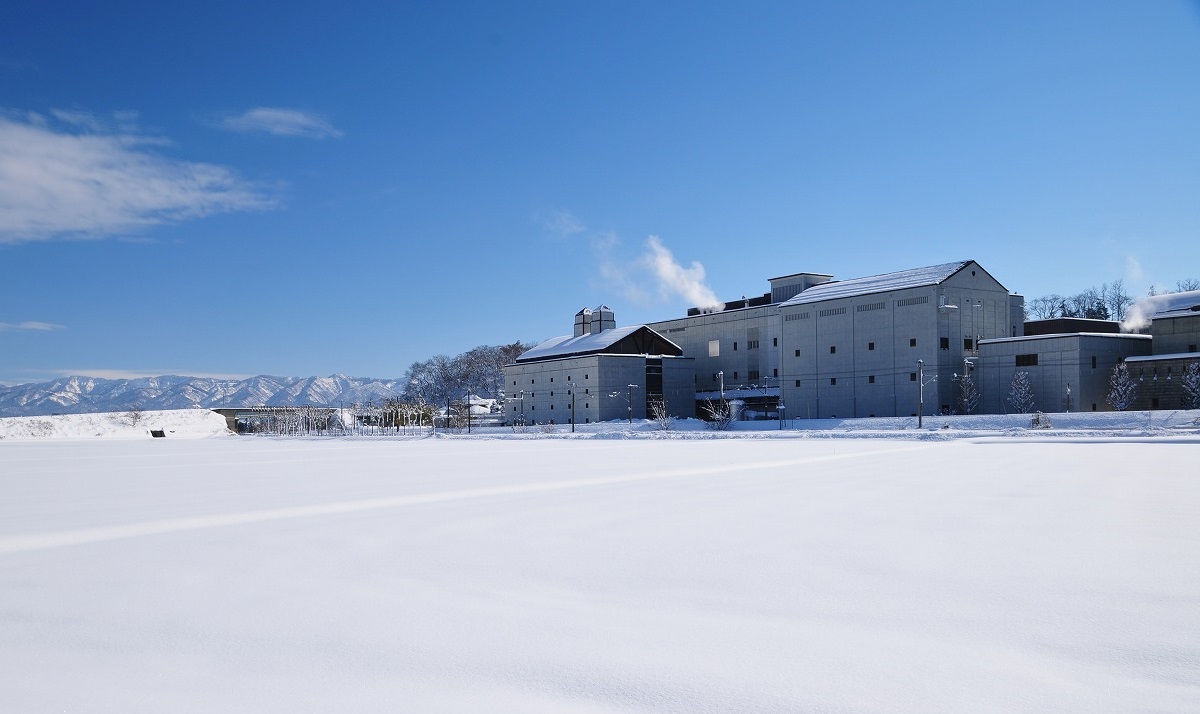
1110 301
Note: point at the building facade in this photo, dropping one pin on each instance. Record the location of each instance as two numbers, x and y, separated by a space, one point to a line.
1067 371
599 373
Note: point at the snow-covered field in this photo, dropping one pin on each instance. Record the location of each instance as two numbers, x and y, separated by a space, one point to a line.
1026 571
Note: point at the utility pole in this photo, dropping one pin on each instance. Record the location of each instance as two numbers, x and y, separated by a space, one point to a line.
573 387
920 392
468 411
631 388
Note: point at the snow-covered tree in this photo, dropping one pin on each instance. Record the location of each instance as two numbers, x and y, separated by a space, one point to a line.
1122 388
660 414
1190 381
968 394
720 416
1020 394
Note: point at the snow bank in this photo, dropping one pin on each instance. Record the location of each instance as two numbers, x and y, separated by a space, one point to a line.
174 424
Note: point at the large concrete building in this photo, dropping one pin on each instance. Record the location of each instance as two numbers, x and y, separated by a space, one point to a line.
812 347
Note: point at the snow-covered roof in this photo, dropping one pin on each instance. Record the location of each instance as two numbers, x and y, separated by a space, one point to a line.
914 278
1176 355
567 345
1056 335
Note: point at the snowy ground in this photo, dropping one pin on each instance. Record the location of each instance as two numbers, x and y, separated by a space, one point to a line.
1018 572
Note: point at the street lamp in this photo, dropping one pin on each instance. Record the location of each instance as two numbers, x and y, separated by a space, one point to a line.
628 399
573 387
921 391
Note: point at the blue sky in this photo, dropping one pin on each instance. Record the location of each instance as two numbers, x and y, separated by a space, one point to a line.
303 189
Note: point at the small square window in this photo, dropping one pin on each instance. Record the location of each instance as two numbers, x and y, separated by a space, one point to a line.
912 342
797 353
943 343
797 384
774 372
912 376
968 344
871 346
735 375
774 341
871 379
833 349
833 381
552 379
735 347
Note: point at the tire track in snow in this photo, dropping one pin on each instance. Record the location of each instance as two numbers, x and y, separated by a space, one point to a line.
66 538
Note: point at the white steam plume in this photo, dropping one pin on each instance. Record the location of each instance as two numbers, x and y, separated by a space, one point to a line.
675 279
1138 315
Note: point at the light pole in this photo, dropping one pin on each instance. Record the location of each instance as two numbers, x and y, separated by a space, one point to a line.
468 411
921 391
628 400
573 387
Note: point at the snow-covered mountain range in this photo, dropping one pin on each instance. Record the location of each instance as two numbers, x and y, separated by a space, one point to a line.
79 395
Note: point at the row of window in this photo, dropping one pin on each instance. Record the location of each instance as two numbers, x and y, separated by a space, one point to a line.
912 377
534 381
912 342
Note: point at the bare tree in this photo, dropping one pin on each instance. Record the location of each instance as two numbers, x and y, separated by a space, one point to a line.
1187 285
1045 307
720 416
660 415
1116 299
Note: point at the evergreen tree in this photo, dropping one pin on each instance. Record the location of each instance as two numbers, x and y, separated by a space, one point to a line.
1020 394
968 394
1191 386
1122 388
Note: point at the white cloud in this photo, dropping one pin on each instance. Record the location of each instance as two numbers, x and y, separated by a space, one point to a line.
1133 269
281 122
93 179
561 223
674 279
31 325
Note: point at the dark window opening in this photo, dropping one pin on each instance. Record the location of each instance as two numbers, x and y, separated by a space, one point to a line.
797 384
968 344
912 376
774 341
1093 361
1030 360
944 343
797 353
871 346
912 342
833 349
833 381
871 379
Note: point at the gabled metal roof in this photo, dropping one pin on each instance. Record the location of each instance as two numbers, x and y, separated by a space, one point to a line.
569 345
914 278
